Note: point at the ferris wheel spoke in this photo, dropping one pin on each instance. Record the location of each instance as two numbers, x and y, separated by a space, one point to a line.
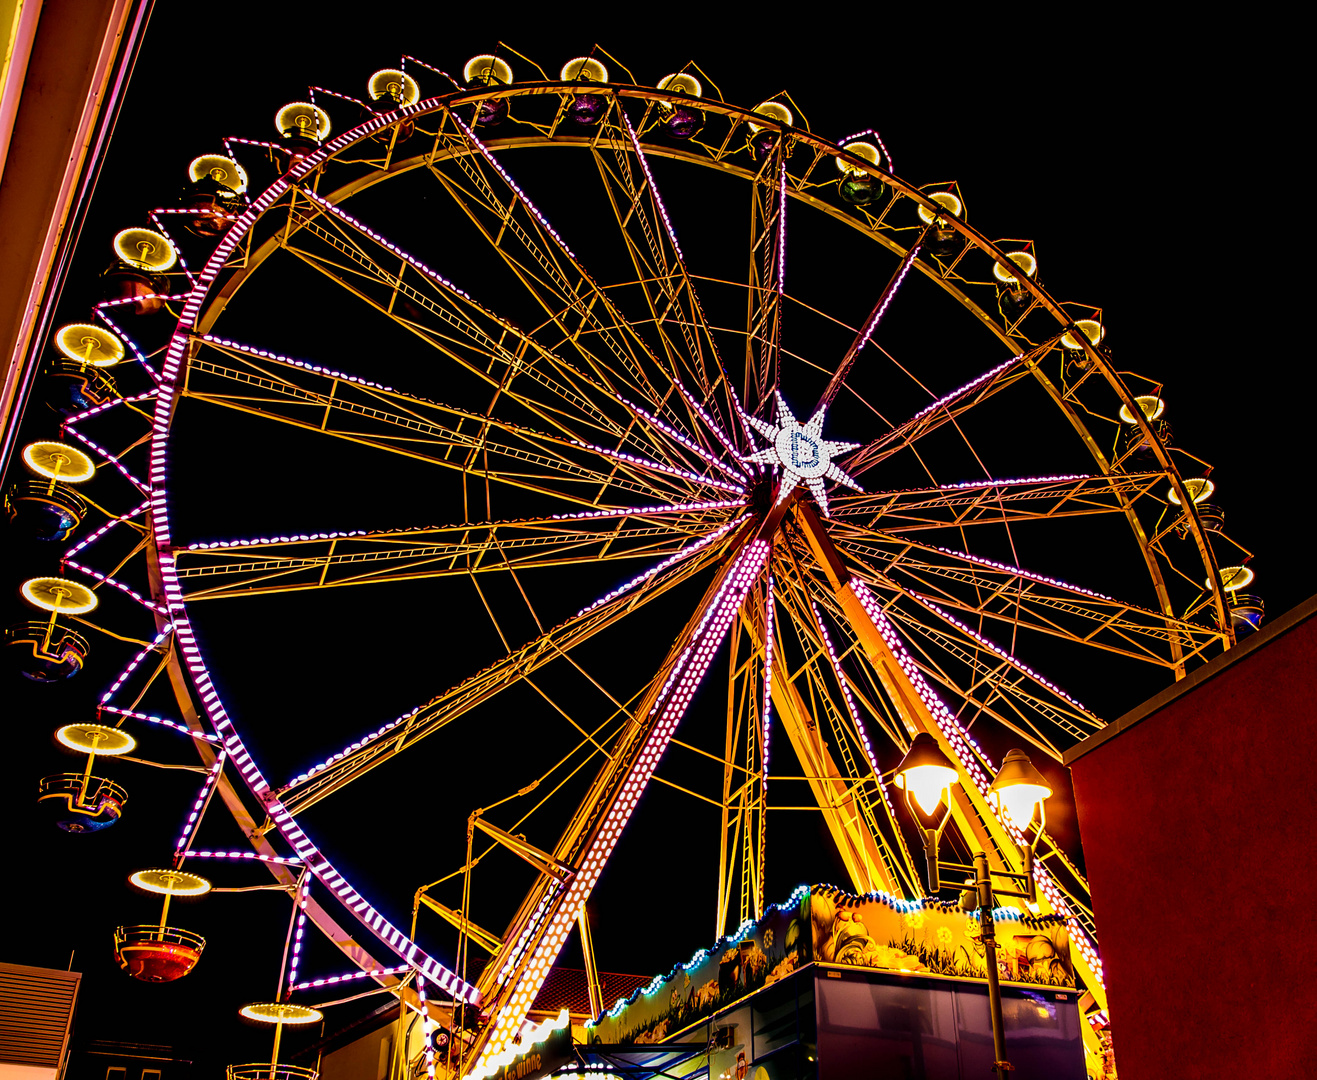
945 410
341 407
766 281
870 823
451 321
990 502
958 581
537 254
256 567
393 738
651 240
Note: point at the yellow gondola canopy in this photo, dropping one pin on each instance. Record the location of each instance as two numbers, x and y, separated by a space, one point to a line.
281 1012
88 344
59 594
1199 489
223 170
949 202
396 85
1022 263
1150 405
96 739
1233 578
1090 328
302 120
863 150
171 882
584 69
55 461
145 249
772 110
682 83
485 69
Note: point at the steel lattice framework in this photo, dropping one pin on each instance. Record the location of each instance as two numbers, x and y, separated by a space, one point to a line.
622 423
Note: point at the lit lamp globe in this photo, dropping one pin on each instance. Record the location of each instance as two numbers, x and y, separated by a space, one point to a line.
926 772
1018 790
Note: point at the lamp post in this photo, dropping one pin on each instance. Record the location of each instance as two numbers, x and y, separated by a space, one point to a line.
1017 791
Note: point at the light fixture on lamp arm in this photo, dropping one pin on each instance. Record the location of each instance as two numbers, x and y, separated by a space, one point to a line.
1017 791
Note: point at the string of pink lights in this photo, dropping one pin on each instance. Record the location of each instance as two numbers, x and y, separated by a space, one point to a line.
96 534
185 637
303 890
135 661
189 826
969 754
669 707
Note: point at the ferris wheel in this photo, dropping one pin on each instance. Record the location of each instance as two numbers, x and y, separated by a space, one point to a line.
648 411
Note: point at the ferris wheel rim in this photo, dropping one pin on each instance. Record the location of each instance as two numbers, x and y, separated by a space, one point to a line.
208 307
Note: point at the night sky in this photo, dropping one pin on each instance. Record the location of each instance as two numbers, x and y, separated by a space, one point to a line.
1127 158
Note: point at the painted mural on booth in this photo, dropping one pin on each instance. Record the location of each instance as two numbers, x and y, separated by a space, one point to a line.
826 925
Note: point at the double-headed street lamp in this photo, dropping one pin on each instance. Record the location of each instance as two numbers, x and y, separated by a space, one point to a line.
1017 791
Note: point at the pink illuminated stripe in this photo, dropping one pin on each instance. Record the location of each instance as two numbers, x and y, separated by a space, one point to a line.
642 511
193 820
351 976
966 485
709 421
969 754
973 384
676 695
998 651
101 310
522 197
877 316
265 354
185 637
183 729
781 227
886 162
425 1026
768 669
671 432
1016 571
313 90
303 887
110 458
282 860
133 664
703 542
643 463
115 584
653 187
94 536
402 66
154 215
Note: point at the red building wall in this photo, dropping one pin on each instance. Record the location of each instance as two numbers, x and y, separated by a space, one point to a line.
1197 818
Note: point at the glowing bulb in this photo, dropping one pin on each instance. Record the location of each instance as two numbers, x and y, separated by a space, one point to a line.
1152 407
867 151
1019 802
926 784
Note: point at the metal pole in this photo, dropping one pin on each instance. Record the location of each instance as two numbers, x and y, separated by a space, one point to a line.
983 880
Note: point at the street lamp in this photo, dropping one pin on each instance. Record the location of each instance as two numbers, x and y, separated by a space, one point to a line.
1017 792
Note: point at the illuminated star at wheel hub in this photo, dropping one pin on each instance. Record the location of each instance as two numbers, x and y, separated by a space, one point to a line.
804 456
